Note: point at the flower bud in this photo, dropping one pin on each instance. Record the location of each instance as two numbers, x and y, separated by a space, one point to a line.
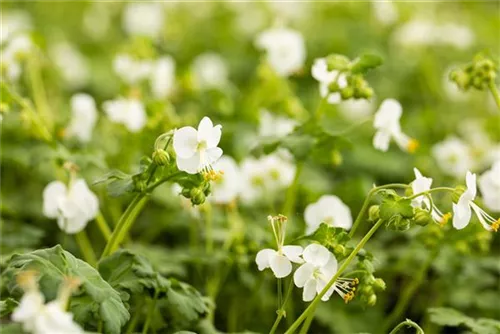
372 300
347 93
373 213
379 284
366 92
422 217
197 196
336 158
339 249
139 183
207 188
337 62
333 87
161 157
459 190
186 192
367 290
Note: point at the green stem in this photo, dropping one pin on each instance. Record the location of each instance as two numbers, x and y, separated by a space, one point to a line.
281 311
408 323
86 248
291 194
430 191
494 92
124 224
407 295
150 314
103 226
309 311
209 237
307 323
368 198
135 318
38 89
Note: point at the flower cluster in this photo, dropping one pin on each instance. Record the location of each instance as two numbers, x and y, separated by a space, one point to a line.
478 74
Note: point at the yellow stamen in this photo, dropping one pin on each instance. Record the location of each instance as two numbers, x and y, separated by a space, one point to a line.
27 279
212 175
413 145
446 217
496 225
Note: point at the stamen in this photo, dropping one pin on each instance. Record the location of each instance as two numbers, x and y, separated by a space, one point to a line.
211 175
412 145
444 219
496 225
346 288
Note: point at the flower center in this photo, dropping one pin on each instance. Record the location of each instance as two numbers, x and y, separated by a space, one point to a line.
446 217
328 220
412 145
202 146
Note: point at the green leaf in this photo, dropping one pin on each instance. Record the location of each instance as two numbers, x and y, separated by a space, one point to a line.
333 238
366 62
11 328
97 300
132 274
7 306
117 183
390 208
450 317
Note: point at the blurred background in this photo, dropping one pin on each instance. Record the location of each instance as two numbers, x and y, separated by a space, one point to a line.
214 68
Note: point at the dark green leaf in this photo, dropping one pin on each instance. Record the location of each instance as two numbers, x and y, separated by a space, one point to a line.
7 306
365 63
390 208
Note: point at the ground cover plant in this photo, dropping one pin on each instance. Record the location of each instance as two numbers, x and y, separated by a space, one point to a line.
250 167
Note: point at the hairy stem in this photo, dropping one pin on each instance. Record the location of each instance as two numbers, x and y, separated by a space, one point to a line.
281 310
309 311
86 248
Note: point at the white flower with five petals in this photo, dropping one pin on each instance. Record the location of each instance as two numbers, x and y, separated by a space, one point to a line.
423 184
386 123
462 210
73 206
279 261
129 112
328 209
197 150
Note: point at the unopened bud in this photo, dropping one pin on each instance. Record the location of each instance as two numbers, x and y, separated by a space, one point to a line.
367 290
339 249
161 157
366 92
333 87
372 300
337 62
186 192
336 158
373 213
422 217
347 93
459 190
379 284
197 196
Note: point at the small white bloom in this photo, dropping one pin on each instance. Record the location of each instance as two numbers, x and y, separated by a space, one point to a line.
129 112
456 35
73 207
84 117
285 49
130 70
423 184
71 64
13 22
453 156
97 20
163 77
54 319
325 77
356 110
489 184
279 261
385 12
319 268
210 71
143 19
227 188
30 305
12 55
328 209
197 150
462 210
274 125
386 122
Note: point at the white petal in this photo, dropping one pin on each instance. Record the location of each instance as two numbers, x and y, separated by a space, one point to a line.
135 118
316 254
209 133
470 180
480 215
280 265
313 217
330 269
84 198
309 290
189 165
293 253
29 306
52 194
213 154
72 225
381 140
334 98
303 274
185 142
461 215
262 258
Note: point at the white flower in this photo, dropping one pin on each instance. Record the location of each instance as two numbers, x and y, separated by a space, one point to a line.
423 184
129 112
143 19
13 22
54 320
325 77
462 210
275 125
30 305
285 49
12 55
73 207
385 12
328 209
227 188
319 268
71 64
489 184
131 70
84 117
386 123
356 109
457 35
279 261
197 150
210 71
163 77
453 156
264 176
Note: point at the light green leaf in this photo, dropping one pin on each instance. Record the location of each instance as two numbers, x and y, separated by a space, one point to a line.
450 317
97 300
366 62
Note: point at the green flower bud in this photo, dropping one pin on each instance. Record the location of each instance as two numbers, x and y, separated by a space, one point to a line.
347 93
366 92
333 87
459 190
197 196
339 249
336 158
139 184
337 62
373 213
367 290
372 300
161 157
379 284
207 188
186 192
398 223
422 217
